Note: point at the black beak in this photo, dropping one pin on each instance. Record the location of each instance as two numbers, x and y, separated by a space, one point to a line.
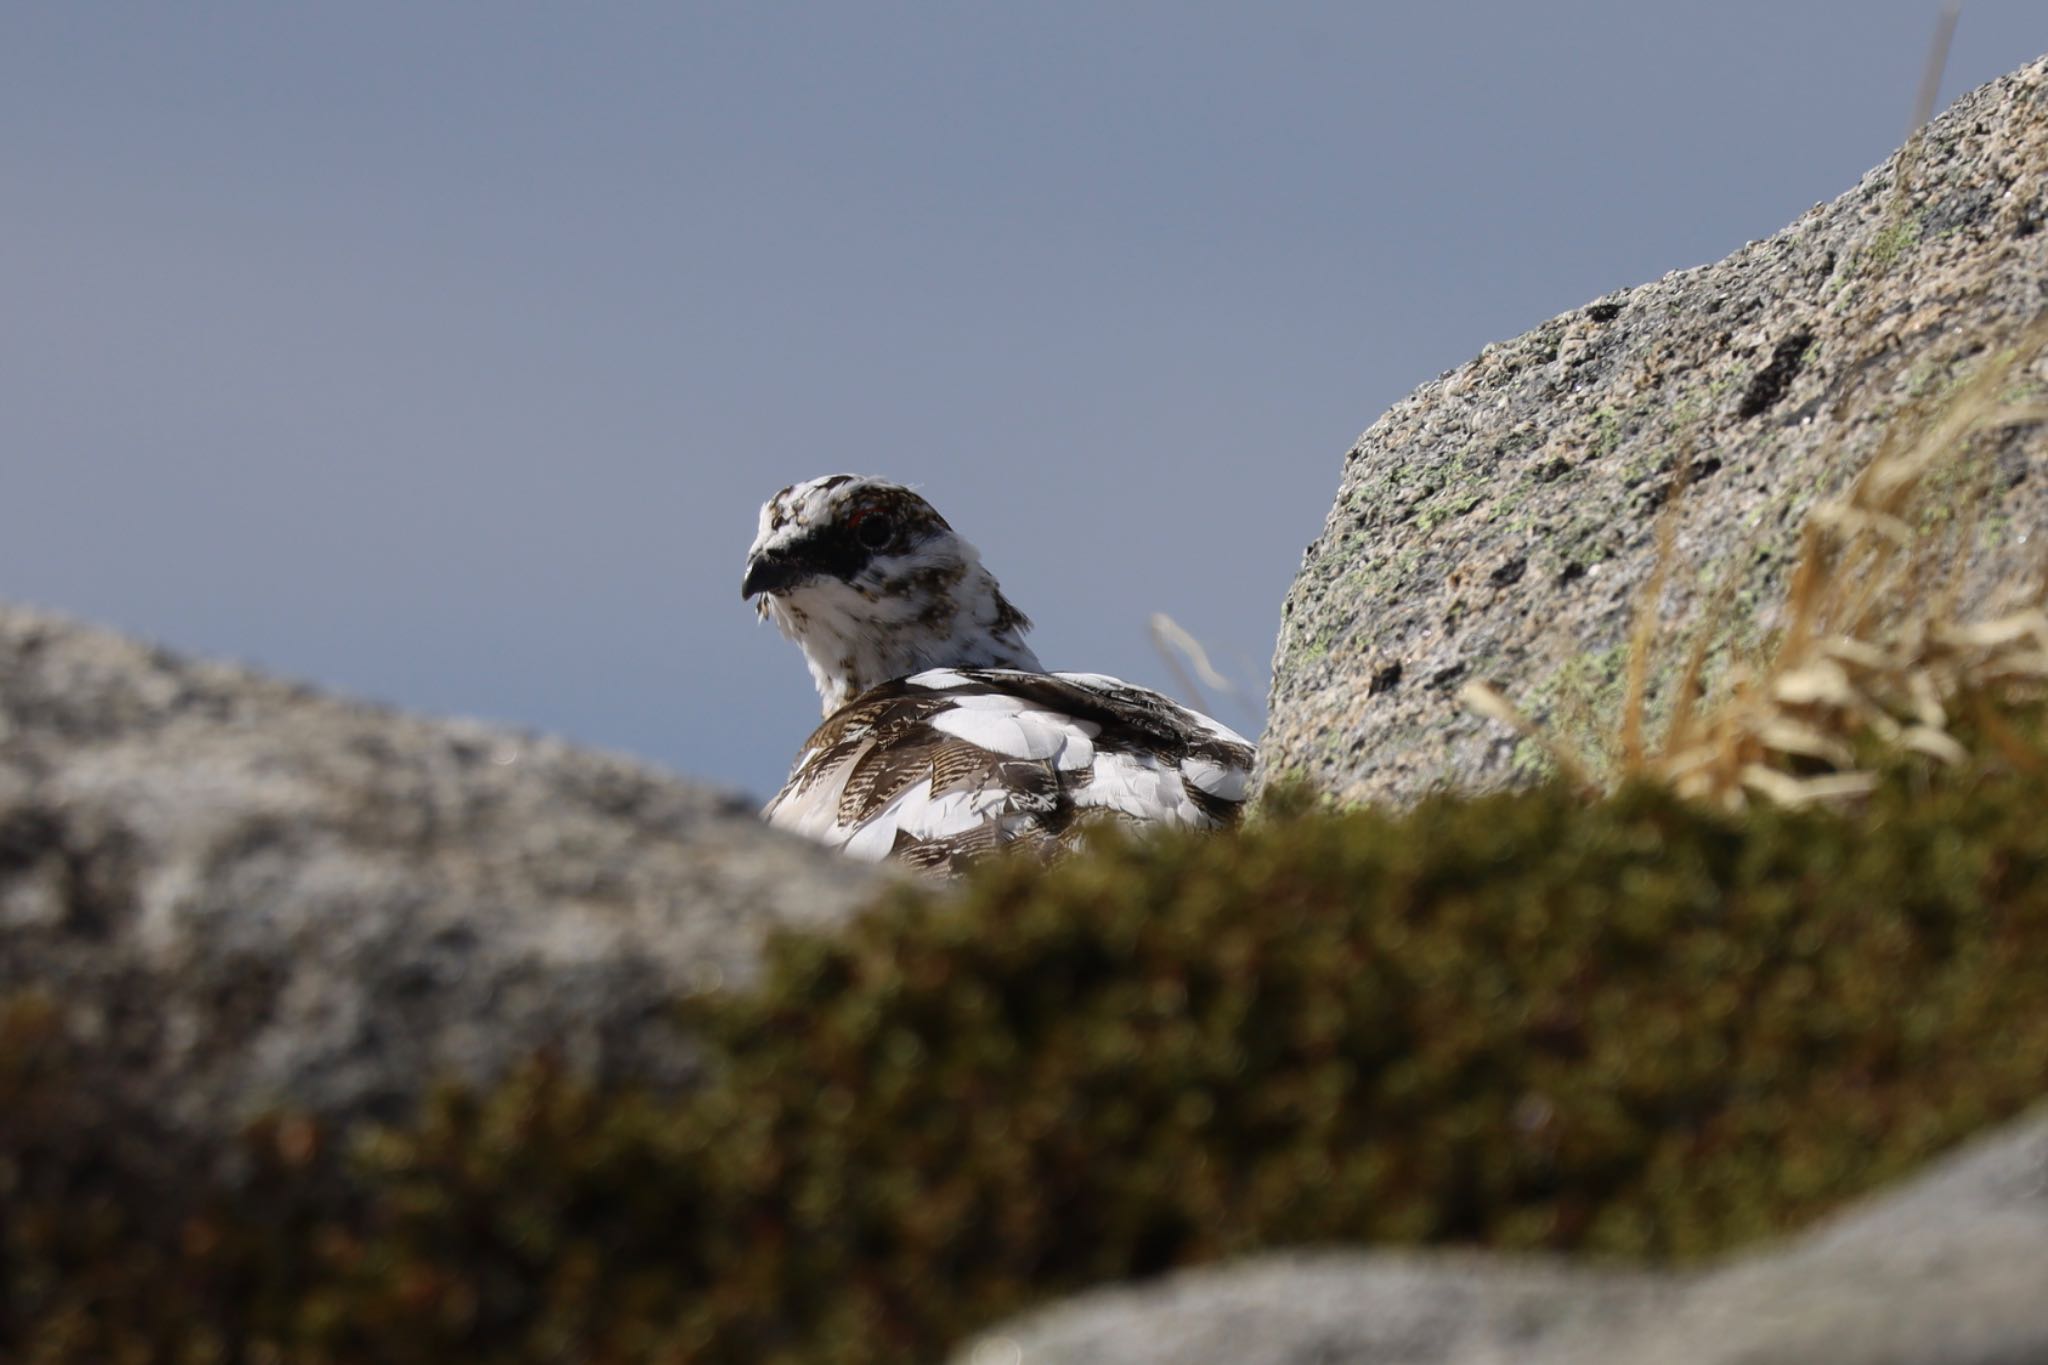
768 572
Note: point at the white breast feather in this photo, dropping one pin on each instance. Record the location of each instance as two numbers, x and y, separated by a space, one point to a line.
1141 787
937 679
1013 728
915 811
1225 781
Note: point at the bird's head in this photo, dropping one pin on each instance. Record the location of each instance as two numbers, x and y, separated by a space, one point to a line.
873 585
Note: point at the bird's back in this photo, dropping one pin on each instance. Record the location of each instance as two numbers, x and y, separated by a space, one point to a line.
944 766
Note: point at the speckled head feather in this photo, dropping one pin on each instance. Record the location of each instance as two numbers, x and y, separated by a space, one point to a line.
872 584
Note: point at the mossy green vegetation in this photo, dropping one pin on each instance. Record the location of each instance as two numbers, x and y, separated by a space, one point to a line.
1626 1026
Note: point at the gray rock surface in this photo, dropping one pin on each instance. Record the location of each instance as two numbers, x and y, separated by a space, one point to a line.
251 894
1497 524
1324 1308
1952 1269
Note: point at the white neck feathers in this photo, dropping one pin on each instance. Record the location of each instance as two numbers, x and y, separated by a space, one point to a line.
853 639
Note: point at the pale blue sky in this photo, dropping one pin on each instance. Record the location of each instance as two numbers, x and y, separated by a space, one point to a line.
441 354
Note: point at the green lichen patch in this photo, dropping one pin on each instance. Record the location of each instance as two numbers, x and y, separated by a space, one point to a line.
1899 233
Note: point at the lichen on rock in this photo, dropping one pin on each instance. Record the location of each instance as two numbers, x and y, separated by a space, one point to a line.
1497 524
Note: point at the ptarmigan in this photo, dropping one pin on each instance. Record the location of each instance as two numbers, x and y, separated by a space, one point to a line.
944 737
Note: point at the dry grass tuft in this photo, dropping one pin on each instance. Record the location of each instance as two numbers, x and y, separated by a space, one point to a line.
1868 656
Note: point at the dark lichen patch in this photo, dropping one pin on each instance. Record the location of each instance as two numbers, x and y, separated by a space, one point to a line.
1966 210
1623 1026
1770 383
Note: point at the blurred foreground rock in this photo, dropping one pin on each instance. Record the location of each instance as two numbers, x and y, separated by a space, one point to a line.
1497 524
251 894
1950 1270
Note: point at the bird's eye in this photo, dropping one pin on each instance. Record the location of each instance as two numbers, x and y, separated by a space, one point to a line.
873 529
